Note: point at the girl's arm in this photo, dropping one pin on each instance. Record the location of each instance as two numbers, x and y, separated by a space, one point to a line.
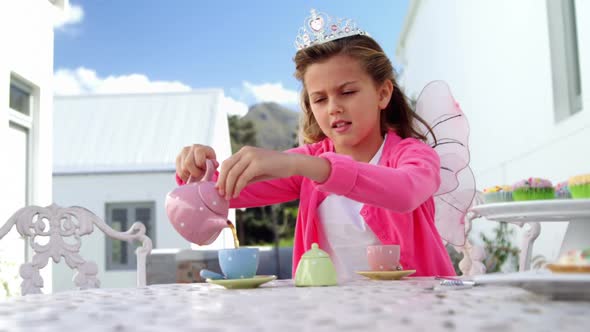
263 193
269 191
415 178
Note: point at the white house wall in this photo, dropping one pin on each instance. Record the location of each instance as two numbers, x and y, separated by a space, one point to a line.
26 36
132 163
496 57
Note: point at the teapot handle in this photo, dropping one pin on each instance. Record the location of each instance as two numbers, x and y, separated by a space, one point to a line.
208 173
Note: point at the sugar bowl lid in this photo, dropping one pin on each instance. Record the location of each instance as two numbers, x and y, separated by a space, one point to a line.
315 252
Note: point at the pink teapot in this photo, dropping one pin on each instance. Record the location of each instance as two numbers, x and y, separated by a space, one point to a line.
196 210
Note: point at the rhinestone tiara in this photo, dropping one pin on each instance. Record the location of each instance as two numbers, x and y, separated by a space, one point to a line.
320 28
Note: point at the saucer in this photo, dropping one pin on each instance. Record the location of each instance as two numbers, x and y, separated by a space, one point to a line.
242 283
386 275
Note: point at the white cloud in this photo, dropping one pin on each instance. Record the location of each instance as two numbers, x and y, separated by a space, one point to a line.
272 92
71 14
233 107
85 81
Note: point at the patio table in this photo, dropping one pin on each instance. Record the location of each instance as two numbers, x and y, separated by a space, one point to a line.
362 305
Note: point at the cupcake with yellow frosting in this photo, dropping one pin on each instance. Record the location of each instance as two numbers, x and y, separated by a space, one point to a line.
497 194
580 186
533 189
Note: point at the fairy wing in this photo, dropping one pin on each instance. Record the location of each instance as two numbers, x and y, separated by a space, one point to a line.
450 139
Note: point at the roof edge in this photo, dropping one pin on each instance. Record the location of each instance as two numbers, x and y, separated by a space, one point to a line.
407 26
135 94
96 170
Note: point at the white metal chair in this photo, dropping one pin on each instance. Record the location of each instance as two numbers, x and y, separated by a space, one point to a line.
68 223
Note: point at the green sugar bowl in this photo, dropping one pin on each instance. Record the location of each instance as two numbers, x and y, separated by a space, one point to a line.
315 268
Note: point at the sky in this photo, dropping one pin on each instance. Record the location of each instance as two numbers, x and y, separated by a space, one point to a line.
245 48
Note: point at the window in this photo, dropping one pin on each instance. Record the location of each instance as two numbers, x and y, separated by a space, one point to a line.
20 124
20 98
20 146
120 216
563 38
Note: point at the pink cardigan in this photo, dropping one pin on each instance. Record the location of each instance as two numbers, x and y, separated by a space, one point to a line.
397 196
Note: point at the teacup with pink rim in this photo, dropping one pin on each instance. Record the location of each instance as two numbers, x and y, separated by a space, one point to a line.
384 257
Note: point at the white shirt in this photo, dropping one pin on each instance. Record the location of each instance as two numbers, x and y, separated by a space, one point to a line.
345 235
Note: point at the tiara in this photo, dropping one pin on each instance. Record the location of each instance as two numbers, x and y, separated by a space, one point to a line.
320 28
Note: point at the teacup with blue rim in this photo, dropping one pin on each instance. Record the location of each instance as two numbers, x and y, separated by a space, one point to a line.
239 263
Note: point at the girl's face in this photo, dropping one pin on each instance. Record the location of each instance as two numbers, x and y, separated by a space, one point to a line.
346 102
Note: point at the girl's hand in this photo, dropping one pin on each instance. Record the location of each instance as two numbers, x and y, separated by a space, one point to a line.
252 164
191 161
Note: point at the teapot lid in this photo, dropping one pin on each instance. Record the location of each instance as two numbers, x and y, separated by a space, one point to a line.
212 199
315 252
215 202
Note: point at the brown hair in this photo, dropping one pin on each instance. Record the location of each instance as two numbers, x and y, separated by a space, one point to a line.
398 115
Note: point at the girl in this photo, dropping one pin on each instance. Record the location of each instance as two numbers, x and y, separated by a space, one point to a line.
364 175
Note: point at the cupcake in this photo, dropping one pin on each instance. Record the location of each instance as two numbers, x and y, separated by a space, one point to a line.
562 190
532 189
573 261
497 194
580 186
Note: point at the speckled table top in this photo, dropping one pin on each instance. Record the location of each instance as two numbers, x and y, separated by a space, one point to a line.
363 305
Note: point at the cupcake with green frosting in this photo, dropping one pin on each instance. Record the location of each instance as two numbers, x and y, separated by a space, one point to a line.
580 186
497 194
533 189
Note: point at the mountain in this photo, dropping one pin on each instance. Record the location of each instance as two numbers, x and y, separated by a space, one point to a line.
276 126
